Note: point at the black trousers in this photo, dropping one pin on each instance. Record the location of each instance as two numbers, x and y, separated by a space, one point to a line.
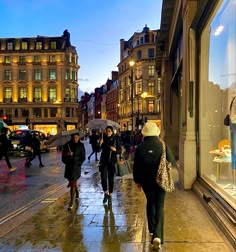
5 155
155 210
107 177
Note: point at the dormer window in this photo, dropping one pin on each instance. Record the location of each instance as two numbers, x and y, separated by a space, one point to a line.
9 45
24 45
53 45
39 45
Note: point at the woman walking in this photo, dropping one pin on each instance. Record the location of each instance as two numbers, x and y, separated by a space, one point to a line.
111 147
146 161
73 156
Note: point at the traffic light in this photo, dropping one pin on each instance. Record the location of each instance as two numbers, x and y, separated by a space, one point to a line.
27 121
5 119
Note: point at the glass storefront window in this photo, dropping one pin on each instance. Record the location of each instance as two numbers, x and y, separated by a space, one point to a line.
217 89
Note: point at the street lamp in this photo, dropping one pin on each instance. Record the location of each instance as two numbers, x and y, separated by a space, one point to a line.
142 96
131 63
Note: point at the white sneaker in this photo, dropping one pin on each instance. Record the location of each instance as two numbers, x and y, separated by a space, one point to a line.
12 169
156 243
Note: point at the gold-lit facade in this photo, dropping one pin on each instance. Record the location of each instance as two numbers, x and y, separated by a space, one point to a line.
39 83
139 85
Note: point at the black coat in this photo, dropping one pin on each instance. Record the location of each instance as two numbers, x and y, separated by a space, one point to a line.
73 164
147 159
107 155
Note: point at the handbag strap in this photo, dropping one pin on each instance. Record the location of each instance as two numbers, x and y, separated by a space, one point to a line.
68 147
163 155
231 104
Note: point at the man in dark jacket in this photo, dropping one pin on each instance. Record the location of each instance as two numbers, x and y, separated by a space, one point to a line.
4 148
146 161
73 156
36 149
93 140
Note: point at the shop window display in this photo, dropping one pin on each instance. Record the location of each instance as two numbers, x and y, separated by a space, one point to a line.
217 93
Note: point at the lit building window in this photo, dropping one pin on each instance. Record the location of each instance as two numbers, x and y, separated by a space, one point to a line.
22 92
52 74
151 70
24 45
150 106
67 74
7 75
52 58
7 59
8 92
37 74
36 58
39 45
151 88
53 45
37 94
52 95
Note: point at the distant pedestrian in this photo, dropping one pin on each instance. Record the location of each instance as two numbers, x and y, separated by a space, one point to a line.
93 140
73 156
28 149
146 161
111 147
4 148
36 149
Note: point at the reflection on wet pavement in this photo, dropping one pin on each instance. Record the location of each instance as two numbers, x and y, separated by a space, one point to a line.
90 226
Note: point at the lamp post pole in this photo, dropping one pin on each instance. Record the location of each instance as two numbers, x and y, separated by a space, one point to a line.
131 63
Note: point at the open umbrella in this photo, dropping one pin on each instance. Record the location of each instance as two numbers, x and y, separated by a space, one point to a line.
101 124
63 137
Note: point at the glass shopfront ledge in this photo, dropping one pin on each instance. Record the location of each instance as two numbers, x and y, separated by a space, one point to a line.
224 188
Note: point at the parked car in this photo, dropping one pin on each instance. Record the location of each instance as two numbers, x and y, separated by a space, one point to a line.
18 139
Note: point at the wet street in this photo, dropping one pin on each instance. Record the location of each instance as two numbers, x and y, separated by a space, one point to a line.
34 215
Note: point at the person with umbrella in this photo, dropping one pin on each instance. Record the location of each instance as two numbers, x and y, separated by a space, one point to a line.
111 147
73 156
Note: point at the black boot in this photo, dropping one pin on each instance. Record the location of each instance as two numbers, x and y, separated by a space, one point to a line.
41 165
105 198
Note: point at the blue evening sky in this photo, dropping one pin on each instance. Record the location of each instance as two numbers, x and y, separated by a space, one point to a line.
95 26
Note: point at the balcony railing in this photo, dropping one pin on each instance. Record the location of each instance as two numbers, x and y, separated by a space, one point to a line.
7 99
37 99
22 99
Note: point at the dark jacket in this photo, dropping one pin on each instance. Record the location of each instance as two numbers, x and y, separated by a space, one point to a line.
107 155
73 164
4 144
36 144
147 159
93 140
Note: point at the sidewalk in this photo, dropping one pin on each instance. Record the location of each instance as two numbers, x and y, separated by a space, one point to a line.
94 227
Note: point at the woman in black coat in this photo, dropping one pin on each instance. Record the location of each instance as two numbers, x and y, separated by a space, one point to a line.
73 156
111 147
146 161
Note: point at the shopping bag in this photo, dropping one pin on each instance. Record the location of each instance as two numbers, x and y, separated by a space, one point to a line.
122 168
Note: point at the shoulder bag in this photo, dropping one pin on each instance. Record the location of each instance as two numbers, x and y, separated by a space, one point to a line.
227 117
164 177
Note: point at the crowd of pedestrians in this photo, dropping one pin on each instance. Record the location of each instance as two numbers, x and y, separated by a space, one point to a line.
147 149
